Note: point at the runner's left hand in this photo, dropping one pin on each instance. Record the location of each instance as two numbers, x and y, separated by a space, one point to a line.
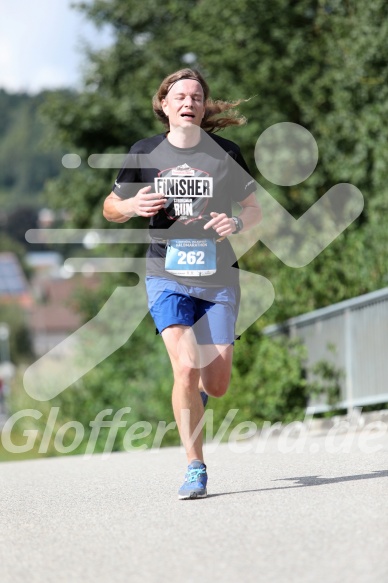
223 225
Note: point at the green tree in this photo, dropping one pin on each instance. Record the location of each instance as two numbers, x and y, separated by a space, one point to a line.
19 339
26 161
312 62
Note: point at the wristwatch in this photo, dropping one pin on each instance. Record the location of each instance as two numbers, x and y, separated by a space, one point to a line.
239 225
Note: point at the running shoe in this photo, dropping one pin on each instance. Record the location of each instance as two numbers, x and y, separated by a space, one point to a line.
204 397
195 482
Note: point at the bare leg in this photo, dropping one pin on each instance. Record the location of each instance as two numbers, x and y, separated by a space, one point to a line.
215 376
186 400
185 356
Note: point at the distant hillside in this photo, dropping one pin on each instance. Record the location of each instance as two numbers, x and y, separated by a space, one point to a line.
26 158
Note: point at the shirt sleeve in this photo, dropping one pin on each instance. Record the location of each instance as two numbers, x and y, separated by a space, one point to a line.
128 180
243 183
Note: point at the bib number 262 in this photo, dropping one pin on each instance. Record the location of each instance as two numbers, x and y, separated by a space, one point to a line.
191 257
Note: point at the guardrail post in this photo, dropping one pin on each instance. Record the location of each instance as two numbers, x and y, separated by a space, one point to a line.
348 361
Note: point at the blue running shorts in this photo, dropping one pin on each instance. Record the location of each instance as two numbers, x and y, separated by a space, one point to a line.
173 303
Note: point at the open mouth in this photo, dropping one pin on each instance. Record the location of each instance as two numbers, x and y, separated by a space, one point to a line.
188 115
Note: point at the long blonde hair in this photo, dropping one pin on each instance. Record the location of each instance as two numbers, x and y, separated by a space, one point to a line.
211 121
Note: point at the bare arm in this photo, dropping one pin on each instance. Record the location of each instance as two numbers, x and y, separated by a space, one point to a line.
250 215
144 204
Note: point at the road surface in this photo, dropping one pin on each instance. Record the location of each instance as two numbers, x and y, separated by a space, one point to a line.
280 511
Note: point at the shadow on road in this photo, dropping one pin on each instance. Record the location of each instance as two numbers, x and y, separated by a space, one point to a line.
305 481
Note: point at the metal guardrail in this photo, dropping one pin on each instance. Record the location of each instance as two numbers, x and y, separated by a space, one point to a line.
358 329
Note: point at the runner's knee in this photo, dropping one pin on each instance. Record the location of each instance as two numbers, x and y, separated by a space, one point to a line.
217 389
186 376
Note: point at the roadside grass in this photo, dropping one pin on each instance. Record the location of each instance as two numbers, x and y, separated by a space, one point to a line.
18 440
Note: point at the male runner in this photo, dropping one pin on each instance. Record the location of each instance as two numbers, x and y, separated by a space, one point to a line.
192 177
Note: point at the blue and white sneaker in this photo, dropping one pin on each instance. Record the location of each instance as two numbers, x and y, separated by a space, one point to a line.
195 482
204 397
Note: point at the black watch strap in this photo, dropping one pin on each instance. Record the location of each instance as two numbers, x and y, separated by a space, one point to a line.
239 225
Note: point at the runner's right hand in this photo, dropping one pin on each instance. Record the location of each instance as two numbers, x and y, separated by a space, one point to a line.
148 204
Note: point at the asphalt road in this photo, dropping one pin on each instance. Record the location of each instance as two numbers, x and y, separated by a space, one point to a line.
281 511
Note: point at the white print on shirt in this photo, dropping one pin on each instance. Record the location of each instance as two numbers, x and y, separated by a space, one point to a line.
187 190
183 209
184 186
183 170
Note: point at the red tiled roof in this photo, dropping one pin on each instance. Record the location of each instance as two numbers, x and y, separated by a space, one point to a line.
58 312
53 318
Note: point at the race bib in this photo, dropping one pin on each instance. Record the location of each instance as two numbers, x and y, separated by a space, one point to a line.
191 257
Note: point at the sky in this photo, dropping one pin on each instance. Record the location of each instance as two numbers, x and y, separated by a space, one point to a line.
41 44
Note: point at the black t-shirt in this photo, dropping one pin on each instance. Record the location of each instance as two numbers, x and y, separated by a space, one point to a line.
196 181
